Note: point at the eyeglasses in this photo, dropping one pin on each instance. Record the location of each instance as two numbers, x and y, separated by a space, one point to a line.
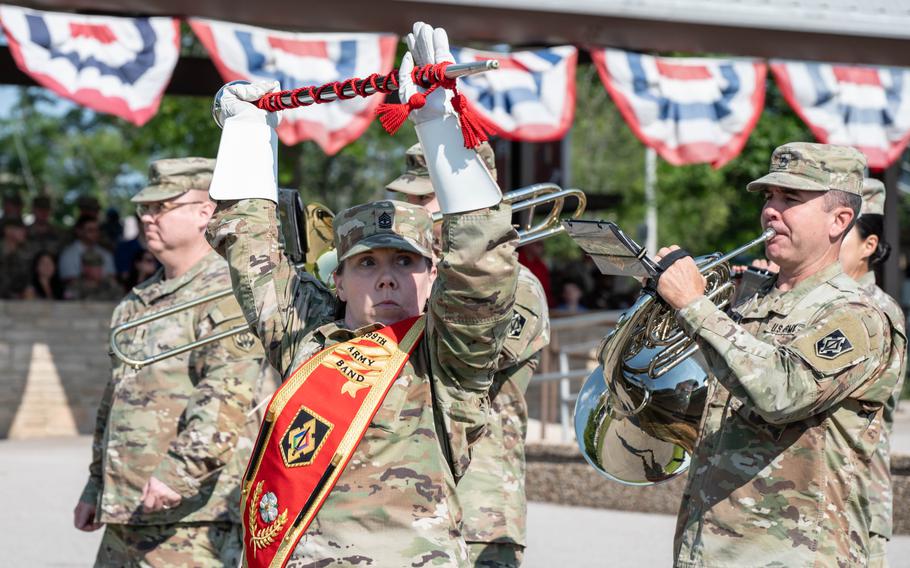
160 208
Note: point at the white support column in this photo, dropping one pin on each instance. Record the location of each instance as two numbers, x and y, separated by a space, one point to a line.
651 200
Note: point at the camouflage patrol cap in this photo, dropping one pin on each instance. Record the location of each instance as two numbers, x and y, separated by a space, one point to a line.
173 177
814 167
873 197
416 179
92 258
383 224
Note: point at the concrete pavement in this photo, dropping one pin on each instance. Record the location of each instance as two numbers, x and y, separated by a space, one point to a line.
40 481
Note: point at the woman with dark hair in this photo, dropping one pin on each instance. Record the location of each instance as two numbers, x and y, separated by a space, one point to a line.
864 249
45 284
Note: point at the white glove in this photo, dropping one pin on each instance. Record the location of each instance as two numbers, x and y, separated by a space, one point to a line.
247 164
426 47
460 178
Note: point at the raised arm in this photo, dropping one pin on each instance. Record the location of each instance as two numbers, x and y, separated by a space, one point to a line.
280 303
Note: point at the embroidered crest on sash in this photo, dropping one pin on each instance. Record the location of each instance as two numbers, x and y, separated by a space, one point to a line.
833 345
263 537
304 437
361 361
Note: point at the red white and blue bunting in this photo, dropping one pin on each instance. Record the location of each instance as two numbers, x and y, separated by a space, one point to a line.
299 60
864 107
690 110
119 66
532 95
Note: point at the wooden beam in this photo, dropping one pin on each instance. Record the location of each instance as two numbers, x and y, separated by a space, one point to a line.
516 26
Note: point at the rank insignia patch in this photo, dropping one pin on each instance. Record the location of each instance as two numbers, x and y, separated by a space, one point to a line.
833 345
385 220
516 325
245 340
304 437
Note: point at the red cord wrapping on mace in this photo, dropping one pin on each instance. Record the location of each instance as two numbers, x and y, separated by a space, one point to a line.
474 128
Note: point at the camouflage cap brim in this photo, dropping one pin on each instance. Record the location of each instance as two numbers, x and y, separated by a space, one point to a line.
160 192
786 180
411 184
386 240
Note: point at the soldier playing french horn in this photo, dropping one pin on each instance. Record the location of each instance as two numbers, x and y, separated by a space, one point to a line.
794 417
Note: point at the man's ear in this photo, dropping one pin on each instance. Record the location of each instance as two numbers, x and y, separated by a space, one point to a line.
843 216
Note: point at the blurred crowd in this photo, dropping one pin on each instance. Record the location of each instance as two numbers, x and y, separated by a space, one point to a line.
574 287
101 257
97 258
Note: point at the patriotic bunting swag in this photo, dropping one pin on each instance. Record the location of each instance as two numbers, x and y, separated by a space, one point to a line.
531 97
864 107
690 110
119 66
293 59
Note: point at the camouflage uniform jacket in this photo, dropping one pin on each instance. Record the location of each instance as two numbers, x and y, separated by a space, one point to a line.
880 492
395 503
492 492
184 419
790 424
15 271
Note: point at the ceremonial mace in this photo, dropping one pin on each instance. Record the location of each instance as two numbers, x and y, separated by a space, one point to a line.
392 116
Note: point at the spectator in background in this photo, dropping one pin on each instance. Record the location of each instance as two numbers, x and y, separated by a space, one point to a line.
45 284
94 284
145 265
531 255
12 209
131 244
571 291
14 260
42 234
87 235
111 229
88 206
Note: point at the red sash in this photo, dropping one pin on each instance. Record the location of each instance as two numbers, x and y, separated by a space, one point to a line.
311 429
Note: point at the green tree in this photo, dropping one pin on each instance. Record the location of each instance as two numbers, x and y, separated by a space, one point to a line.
699 207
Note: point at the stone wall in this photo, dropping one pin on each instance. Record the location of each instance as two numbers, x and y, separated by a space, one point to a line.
53 366
558 474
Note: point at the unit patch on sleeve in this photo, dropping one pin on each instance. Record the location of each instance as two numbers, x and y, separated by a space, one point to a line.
516 325
833 345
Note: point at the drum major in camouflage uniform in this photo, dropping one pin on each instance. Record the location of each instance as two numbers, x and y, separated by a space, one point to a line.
779 473
863 250
395 503
492 492
172 438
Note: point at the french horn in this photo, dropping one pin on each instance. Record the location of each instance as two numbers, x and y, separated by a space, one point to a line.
637 416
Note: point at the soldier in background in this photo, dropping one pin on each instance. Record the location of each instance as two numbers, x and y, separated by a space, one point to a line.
12 209
863 250
15 259
93 285
492 492
779 474
42 233
172 438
